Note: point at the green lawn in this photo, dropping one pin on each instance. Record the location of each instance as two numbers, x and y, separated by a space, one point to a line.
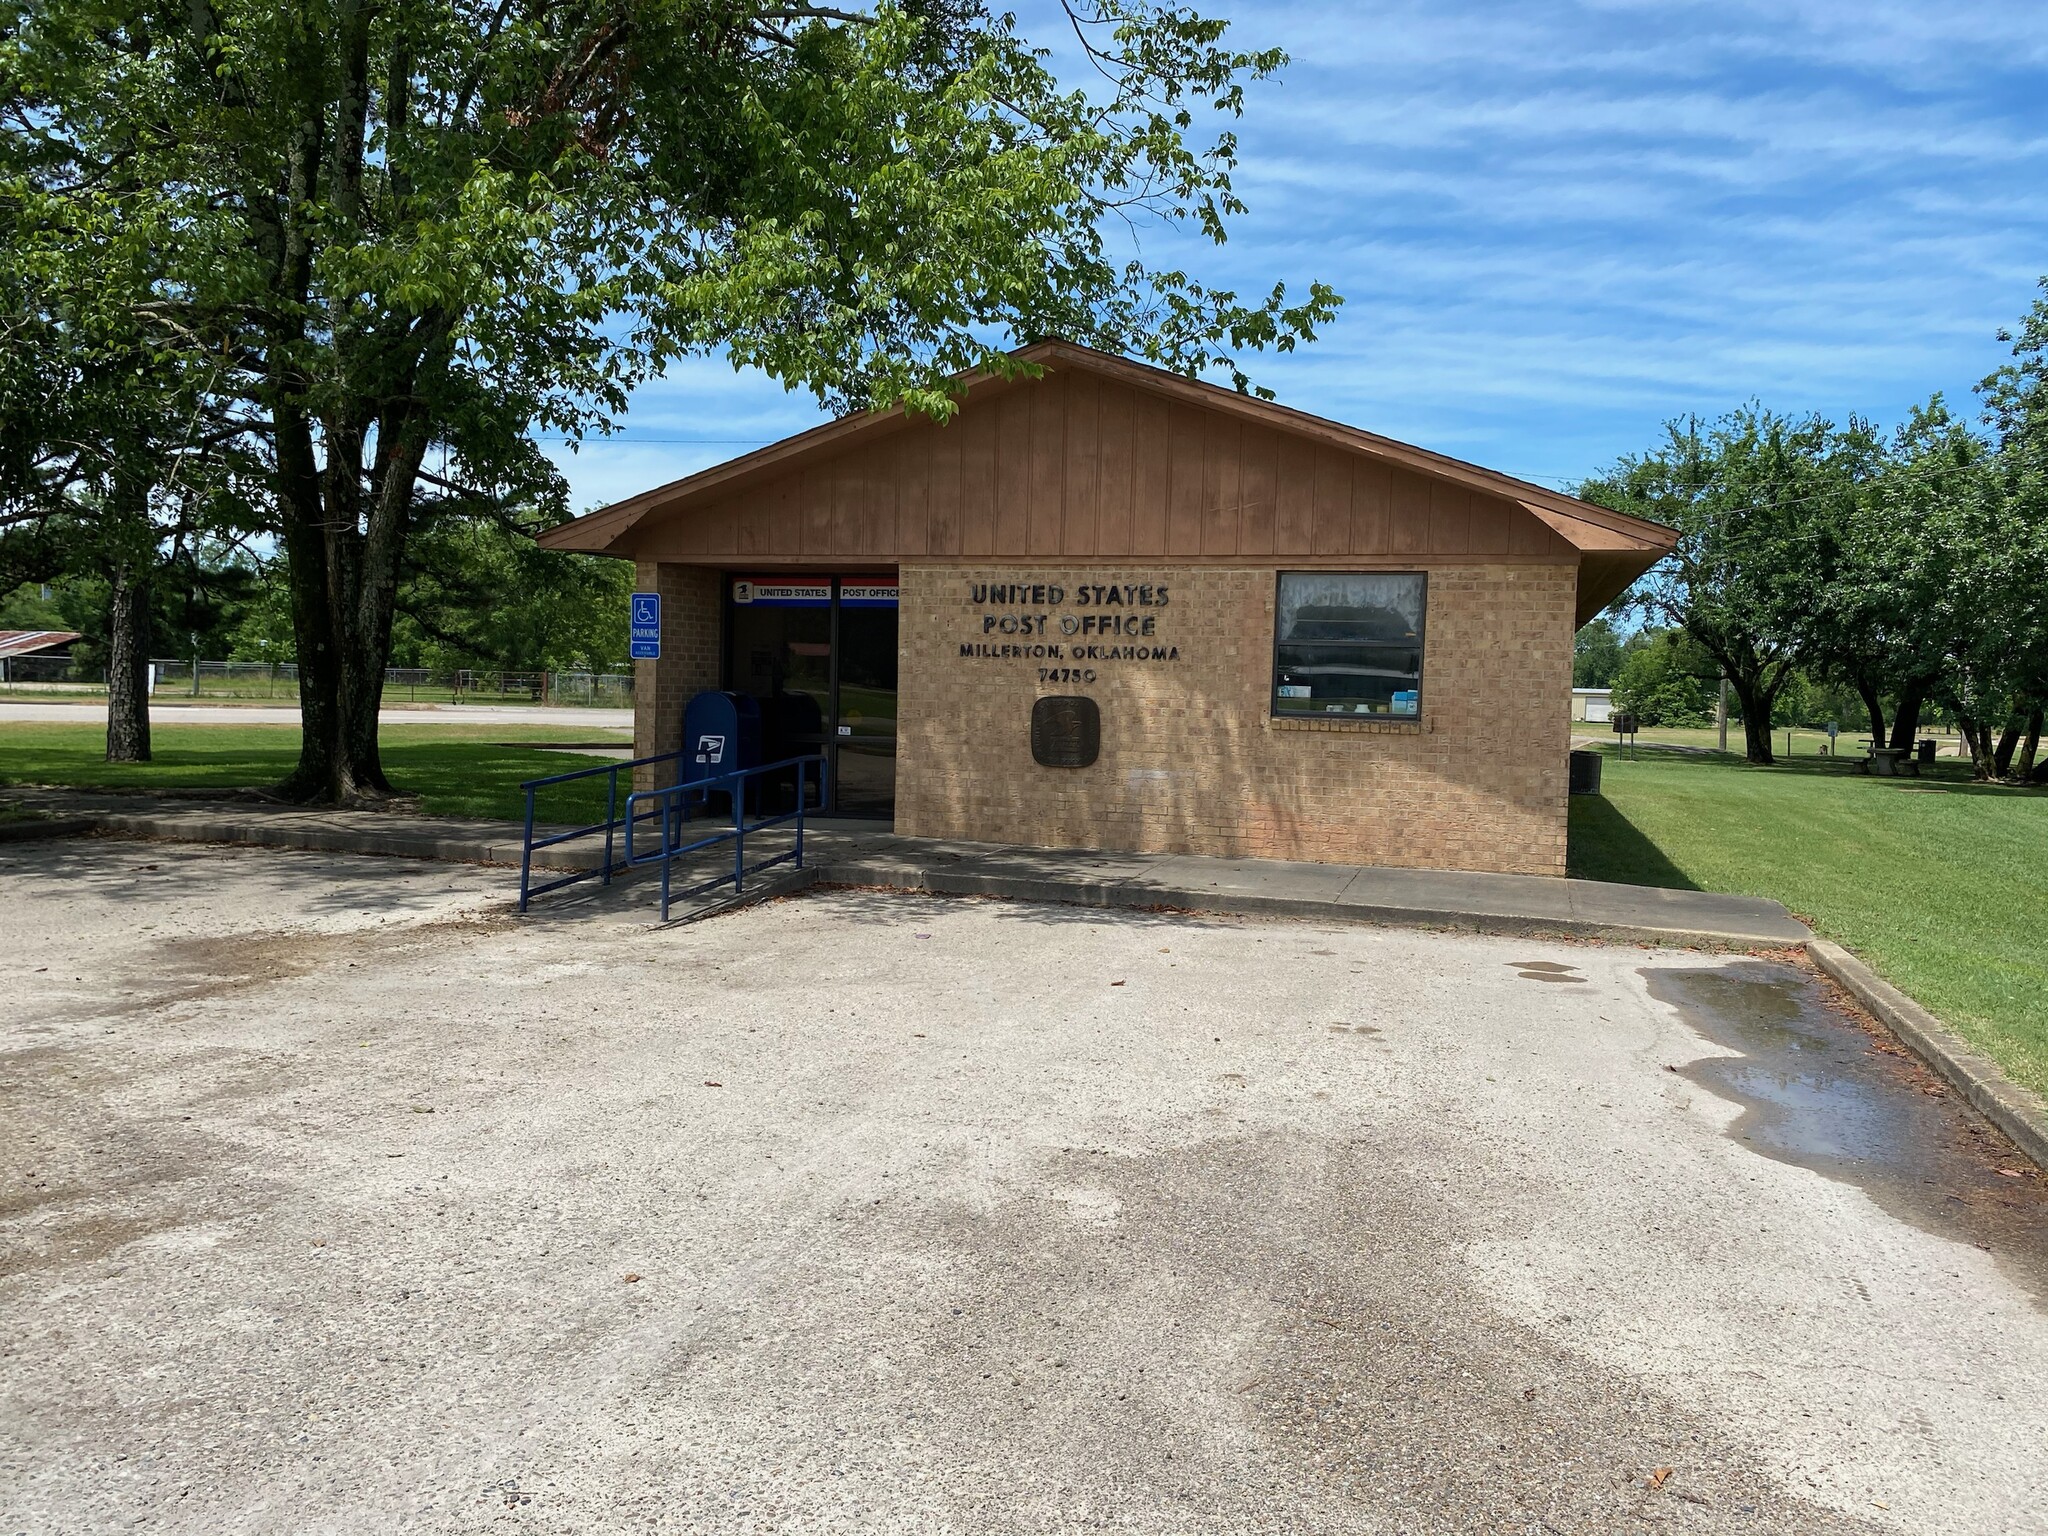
1940 884
456 770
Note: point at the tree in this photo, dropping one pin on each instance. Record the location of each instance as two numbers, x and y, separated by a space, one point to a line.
1664 679
1955 548
417 225
2016 409
1865 630
1756 498
1596 654
107 456
1913 599
32 605
482 594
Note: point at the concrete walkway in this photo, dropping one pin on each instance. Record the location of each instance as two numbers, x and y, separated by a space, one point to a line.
858 853
1514 904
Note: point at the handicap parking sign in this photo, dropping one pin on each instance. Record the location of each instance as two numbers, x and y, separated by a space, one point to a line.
646 636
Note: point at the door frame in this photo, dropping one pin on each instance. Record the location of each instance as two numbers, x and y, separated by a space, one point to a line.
727 668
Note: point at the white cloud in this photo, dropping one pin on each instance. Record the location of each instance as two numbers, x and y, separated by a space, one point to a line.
1559 221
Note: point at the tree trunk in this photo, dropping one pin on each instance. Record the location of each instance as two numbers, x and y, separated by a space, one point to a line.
129 547
1978 735
2008 743
1873 702
2024 769
341 671
1906 719
325 771
128 628
1756 738
1756 721
345 550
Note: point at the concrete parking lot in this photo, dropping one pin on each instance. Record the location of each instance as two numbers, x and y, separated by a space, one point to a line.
336 1198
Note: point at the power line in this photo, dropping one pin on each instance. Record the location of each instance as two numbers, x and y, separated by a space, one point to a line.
624 441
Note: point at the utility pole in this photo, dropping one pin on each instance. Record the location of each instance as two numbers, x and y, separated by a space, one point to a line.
1721 713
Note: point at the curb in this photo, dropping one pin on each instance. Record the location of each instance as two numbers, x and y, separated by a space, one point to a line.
1104 895
455 849
2019 1112
35 831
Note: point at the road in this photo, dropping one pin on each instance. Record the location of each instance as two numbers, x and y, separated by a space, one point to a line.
88 713
338 1199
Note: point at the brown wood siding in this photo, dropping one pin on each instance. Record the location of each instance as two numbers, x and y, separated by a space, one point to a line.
1078 466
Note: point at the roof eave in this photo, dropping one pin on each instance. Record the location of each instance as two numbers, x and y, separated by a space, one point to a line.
1583 524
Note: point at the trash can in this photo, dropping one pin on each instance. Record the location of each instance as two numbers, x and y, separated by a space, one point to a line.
1927 749
1585 776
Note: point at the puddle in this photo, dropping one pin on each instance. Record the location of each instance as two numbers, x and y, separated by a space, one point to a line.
1817 1092
1544 970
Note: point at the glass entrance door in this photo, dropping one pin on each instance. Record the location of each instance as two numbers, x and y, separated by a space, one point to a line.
819 652
864 727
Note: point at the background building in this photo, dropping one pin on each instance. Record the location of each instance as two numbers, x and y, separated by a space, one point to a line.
1593 705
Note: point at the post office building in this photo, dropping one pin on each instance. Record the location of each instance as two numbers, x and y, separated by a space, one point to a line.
1108 607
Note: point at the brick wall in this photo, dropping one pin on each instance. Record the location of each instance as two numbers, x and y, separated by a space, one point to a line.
690 629
1192 761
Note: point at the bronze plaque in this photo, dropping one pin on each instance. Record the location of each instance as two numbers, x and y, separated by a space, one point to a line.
1066 731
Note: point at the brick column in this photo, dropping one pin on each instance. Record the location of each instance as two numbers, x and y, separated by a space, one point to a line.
689 661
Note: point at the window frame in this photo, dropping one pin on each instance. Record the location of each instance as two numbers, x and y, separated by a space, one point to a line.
1273 700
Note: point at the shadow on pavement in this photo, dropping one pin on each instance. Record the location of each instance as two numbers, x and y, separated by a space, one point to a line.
123 869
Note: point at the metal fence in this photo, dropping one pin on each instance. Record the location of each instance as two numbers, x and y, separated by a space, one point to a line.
47 672
280 680
227 679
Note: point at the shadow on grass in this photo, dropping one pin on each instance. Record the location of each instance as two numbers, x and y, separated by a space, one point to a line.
1949 774
448 777
1606 845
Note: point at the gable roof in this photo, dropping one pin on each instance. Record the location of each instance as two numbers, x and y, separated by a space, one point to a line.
24 642
1615 547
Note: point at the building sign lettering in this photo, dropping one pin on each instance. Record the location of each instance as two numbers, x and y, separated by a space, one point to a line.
813 592
1051 594
1061 624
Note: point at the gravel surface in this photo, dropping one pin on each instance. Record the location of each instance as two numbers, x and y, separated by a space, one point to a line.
334 1198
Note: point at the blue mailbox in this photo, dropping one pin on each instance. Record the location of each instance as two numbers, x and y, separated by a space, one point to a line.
721 733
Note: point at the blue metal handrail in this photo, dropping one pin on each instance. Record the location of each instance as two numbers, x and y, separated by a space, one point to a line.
609 826
672 806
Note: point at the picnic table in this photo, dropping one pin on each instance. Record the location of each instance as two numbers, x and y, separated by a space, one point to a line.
1891 762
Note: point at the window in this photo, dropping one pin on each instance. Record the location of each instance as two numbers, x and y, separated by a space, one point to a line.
1349 643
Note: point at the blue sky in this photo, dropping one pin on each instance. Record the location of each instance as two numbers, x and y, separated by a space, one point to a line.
1557 224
